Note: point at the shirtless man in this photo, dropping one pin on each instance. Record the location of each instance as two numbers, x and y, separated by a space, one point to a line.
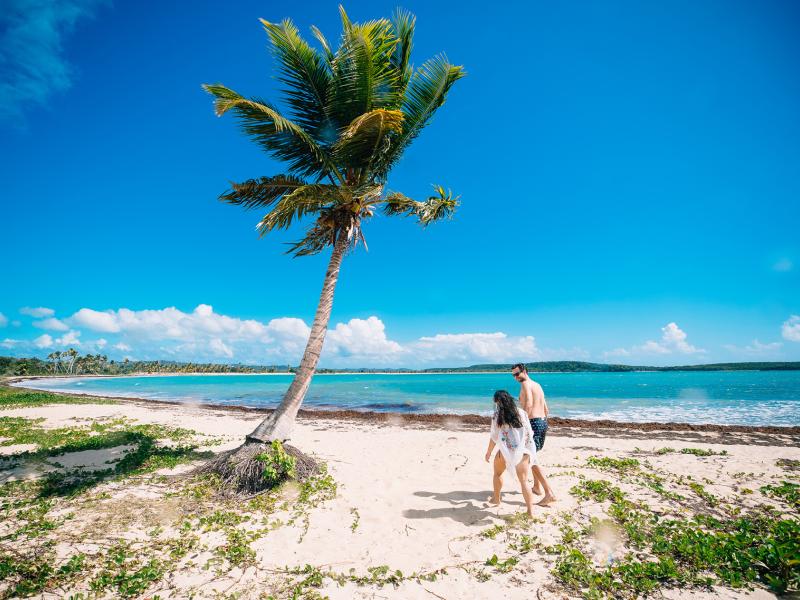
531 399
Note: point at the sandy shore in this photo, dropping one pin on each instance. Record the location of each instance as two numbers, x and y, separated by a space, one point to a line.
411 495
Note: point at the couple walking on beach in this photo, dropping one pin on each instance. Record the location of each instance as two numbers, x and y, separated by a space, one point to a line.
519 433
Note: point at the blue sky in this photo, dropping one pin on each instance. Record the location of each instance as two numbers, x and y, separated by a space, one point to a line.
629 175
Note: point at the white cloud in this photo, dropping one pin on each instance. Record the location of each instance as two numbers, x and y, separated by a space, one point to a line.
784 265
32 50
3 320
69 339
755 348
673 341
51 323
362 338
475 347
37 312
95 320
43 341
791 329
674 338
219 348
204 335
9 343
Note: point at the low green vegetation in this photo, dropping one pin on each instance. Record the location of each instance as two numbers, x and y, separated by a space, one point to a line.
278 465
760 547
13 397
787 492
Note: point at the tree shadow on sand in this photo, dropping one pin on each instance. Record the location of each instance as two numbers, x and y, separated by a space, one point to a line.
463 508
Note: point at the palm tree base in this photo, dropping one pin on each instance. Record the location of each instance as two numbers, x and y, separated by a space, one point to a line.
241 473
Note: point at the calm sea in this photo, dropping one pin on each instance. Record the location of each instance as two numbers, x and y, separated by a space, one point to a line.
742 397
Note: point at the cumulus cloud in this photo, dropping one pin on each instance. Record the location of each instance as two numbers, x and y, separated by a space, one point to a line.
791 329
43 341
32 62
755 348
52 324
362 338
454 348
9 343
201 334
38 312
673 341
3 320
205 335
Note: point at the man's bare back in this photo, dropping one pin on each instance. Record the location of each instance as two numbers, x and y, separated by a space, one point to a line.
531 399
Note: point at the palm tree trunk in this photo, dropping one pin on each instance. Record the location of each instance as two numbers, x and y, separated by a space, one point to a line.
279 424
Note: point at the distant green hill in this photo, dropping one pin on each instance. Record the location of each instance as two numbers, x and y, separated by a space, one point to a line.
572 366
100 365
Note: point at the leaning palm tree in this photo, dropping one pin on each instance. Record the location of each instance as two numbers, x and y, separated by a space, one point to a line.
352 112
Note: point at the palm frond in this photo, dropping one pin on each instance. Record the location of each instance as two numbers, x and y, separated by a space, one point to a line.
367 138
280 136
403 23
261 192
363 75
440 206
323 41
426 92
311 198
305 74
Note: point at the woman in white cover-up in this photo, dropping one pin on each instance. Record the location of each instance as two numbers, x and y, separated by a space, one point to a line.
511 432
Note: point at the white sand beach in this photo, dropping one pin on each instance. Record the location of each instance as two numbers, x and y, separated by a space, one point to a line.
410 498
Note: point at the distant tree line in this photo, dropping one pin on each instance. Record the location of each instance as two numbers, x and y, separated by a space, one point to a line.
70 362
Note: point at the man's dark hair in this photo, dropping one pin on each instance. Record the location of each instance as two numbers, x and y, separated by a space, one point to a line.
521 366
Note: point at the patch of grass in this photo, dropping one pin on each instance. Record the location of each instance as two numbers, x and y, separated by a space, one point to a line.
278 465
759 547
128 574
703 452
788 463
356 519
698 489
32 575
618 465
13 397
787 492
665 450
492 532
502 566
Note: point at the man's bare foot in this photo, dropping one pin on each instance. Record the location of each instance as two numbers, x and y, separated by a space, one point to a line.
493 501
546 501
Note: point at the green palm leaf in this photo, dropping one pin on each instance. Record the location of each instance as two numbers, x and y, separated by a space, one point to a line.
305 74
280 136
261 192
426 92
440 206
367 138
298 203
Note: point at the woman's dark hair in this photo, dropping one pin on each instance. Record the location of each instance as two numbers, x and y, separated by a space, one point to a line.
507 413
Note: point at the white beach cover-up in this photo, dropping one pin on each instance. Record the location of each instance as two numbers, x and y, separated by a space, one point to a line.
514 442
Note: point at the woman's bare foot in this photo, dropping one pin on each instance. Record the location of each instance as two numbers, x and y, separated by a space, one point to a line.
546 501
536 490
493 501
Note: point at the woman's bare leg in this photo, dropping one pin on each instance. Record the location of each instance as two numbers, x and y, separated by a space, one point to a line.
497 478
523 467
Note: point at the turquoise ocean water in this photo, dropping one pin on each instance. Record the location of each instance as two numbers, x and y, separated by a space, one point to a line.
741 397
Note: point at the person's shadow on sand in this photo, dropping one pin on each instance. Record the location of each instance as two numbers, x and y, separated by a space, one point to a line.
462 507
